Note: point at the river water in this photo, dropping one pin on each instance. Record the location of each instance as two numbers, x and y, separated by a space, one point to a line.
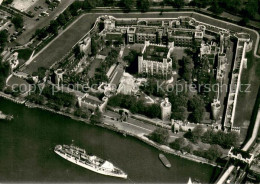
27 142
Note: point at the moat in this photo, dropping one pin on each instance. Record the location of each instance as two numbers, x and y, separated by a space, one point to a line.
27 144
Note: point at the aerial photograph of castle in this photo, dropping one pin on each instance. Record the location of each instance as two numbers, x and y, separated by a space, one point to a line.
130 91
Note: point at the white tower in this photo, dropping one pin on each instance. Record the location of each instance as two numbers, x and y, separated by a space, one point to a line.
166 108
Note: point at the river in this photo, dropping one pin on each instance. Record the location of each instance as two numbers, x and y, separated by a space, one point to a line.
27 142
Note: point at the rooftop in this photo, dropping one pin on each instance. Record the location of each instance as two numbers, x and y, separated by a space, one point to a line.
131 30
91 99
146 30
155 53
182 33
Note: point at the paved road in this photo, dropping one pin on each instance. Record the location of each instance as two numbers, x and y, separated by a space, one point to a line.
132 125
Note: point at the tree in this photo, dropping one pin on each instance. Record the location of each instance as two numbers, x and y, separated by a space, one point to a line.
179 143
187 68
17 21
153 111
232 139
108 43
96 118
178 3
197 133
197 107
8 1
109 2
3 39
244 21
180 113
61 19
250 9
75 7
67 15
40 73
143 5
189 148
215 8
53 27
132 62
127 5
225 140
88 4
4 72
94 47
77 52
159 135
213 152
41 33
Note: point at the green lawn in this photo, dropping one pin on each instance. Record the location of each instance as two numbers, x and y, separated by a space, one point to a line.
246 100
24 54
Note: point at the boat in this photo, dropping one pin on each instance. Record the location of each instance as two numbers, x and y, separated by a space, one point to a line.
193 182
79 156
165 161
5 117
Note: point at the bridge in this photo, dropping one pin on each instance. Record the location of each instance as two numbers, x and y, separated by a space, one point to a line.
235 172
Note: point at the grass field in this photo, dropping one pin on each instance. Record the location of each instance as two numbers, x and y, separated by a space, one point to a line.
95 64
24 54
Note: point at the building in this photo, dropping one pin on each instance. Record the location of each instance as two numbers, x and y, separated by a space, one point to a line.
85 46
240 155
109 23
156 60
181 38
166 110
180 126
92 103
215 108
239 63
13 61
130 34
59 77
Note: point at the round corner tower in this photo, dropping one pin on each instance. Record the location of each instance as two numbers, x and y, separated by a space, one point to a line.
58 76
166 108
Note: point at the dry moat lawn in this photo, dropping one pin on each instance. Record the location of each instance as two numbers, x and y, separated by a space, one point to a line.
246 100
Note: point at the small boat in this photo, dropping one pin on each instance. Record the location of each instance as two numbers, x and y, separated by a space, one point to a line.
165 161
5 117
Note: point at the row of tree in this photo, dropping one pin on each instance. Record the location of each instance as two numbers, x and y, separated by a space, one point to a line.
55 99
3 39
248 9
225 140
161 136
4 72
135 105
184 105
62 19
18 22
